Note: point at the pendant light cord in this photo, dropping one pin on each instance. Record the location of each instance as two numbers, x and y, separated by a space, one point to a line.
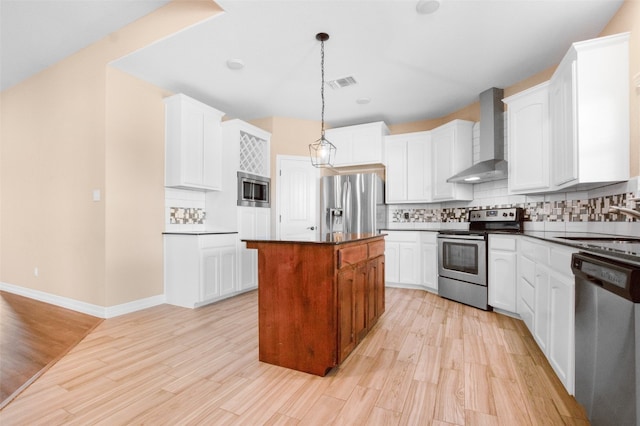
322 86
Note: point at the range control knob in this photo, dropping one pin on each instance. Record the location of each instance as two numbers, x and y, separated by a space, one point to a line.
504 214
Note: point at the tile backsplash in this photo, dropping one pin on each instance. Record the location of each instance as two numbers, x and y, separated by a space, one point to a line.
186 216
184 210
567 210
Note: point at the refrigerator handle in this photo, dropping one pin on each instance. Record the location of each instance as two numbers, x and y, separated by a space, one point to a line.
346 198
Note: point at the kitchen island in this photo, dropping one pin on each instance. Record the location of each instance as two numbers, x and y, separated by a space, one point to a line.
317 299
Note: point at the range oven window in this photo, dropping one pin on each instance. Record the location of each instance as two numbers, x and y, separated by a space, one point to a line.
460 256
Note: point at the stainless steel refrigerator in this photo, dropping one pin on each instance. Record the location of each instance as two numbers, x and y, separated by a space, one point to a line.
352 204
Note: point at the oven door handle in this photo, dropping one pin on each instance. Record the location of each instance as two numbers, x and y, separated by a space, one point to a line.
460 237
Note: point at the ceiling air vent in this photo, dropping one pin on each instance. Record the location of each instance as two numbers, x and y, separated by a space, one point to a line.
339 83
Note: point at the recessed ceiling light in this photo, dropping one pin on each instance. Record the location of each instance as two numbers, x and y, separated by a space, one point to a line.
425 7
235 64
363 101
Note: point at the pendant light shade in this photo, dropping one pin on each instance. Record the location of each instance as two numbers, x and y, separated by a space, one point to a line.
322 152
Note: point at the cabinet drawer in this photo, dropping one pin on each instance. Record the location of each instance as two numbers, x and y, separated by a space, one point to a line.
403 236
352 255
561 260
527 248
526 269
217 240
541 254
376 248
499 243
526 293
429 237
526 314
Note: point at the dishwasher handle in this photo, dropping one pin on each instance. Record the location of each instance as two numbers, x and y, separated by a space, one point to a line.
617 277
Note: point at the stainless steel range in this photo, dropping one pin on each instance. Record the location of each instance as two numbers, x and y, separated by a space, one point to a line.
462 255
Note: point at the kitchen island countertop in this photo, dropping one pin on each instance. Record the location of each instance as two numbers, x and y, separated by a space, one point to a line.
333 239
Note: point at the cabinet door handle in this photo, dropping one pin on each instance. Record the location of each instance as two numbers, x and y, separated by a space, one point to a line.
313 228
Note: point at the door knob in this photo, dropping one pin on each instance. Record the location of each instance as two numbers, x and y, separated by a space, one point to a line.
313 228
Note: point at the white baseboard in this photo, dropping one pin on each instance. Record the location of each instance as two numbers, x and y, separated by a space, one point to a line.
410 287
83 307
136 305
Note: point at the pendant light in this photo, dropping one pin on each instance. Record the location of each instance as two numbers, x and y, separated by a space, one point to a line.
322 151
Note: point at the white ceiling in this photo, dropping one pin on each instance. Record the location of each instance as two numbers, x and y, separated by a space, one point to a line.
35 34
411 66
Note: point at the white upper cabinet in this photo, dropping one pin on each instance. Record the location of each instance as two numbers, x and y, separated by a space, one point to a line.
249 146
408 160
590 113
246 148
574 129
529 137
193 144
452 145
359 144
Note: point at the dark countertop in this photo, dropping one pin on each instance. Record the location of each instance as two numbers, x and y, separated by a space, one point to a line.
617 247
608 245
335 238
198 232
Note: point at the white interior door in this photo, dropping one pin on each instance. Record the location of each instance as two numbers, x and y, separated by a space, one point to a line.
298 185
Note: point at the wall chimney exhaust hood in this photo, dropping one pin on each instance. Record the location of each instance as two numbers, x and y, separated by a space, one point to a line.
492 165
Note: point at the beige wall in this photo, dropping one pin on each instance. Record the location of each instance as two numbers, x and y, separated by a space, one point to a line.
69 130
52 159
289 136
134 188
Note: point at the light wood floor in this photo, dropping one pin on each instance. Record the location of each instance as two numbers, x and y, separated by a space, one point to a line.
33 336
428 361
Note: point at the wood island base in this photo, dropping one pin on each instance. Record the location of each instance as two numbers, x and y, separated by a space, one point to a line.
317 300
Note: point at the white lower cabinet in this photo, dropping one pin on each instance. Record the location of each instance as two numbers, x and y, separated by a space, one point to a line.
429 260
253 222
392 261
219 272
561 351
200 269
402 257
502 272
541 307
411 259
546 301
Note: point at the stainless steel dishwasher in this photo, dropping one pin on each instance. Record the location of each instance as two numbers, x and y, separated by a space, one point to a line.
607 346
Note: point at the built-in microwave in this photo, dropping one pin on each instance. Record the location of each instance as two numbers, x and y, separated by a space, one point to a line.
253 190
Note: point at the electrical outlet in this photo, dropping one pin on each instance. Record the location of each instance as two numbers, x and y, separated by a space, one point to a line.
35 271
406 216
